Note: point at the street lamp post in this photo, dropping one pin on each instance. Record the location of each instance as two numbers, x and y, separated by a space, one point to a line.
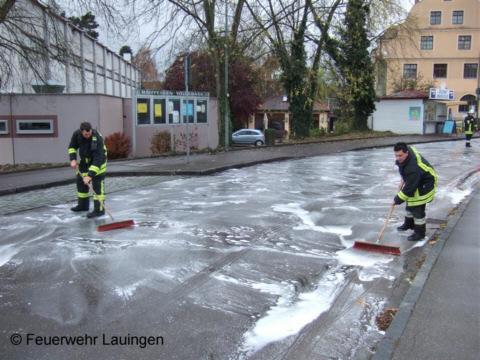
187 109
227 137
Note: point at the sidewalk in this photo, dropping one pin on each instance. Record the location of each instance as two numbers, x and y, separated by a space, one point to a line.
439 318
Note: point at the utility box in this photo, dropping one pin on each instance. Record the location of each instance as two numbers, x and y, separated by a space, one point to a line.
270 137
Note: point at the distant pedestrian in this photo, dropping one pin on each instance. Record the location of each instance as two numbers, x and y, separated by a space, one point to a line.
417 188
470 127
93 165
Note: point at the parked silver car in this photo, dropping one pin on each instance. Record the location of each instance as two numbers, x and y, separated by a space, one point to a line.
248 137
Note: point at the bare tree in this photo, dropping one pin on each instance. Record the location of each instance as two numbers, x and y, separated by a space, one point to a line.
297 31
144 62
31 37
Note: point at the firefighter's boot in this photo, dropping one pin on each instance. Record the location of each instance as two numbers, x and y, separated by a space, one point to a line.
408 224
418 233
98 210
83 204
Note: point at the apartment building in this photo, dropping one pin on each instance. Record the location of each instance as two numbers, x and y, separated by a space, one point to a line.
441 45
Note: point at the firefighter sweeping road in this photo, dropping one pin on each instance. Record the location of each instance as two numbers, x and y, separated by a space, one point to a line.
244 262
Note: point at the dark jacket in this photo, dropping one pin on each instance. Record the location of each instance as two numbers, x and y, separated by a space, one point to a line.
470 124
419 179
92 151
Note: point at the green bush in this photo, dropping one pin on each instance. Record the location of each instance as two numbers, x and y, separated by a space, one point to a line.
160 142
318 132
118 146
340 128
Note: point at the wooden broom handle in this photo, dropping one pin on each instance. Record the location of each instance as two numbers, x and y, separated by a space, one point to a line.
94 193
386 222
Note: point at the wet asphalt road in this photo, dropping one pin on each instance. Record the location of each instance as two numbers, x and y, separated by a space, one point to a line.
253 263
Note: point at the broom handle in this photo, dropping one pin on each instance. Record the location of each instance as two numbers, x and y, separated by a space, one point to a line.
94 193
386 222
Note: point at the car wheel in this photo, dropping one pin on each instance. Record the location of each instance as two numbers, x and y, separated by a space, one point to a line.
258 143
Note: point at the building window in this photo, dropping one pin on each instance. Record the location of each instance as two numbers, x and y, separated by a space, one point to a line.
31 126
174 111
3 126
188 111
457 17
439 71
202 107
426 43
464 42
143 111
471 101
435 17
160 113
470 71
410 71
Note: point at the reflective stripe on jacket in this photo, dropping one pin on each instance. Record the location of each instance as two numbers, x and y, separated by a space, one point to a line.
419 178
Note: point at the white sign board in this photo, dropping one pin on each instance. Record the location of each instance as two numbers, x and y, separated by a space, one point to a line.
442 94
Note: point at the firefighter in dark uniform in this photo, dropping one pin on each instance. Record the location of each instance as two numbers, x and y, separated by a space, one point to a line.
417 188
470 127
93 165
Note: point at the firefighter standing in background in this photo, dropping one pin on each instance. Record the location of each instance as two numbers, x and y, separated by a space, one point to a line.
93 165
418 188
470 127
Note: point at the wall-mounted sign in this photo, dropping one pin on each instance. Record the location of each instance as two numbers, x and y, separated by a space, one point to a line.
158 110
441 94
172 93
414 113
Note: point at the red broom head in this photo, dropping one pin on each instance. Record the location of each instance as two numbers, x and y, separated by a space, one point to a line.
116 225
386 249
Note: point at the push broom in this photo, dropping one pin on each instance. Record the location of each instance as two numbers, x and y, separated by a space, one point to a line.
113 225
369 246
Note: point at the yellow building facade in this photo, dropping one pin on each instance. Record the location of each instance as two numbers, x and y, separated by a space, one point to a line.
439 43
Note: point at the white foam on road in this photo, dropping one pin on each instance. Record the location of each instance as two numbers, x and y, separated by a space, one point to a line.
291 313
308 221
7 252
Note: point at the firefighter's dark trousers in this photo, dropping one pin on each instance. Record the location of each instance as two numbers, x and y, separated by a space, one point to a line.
83 192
